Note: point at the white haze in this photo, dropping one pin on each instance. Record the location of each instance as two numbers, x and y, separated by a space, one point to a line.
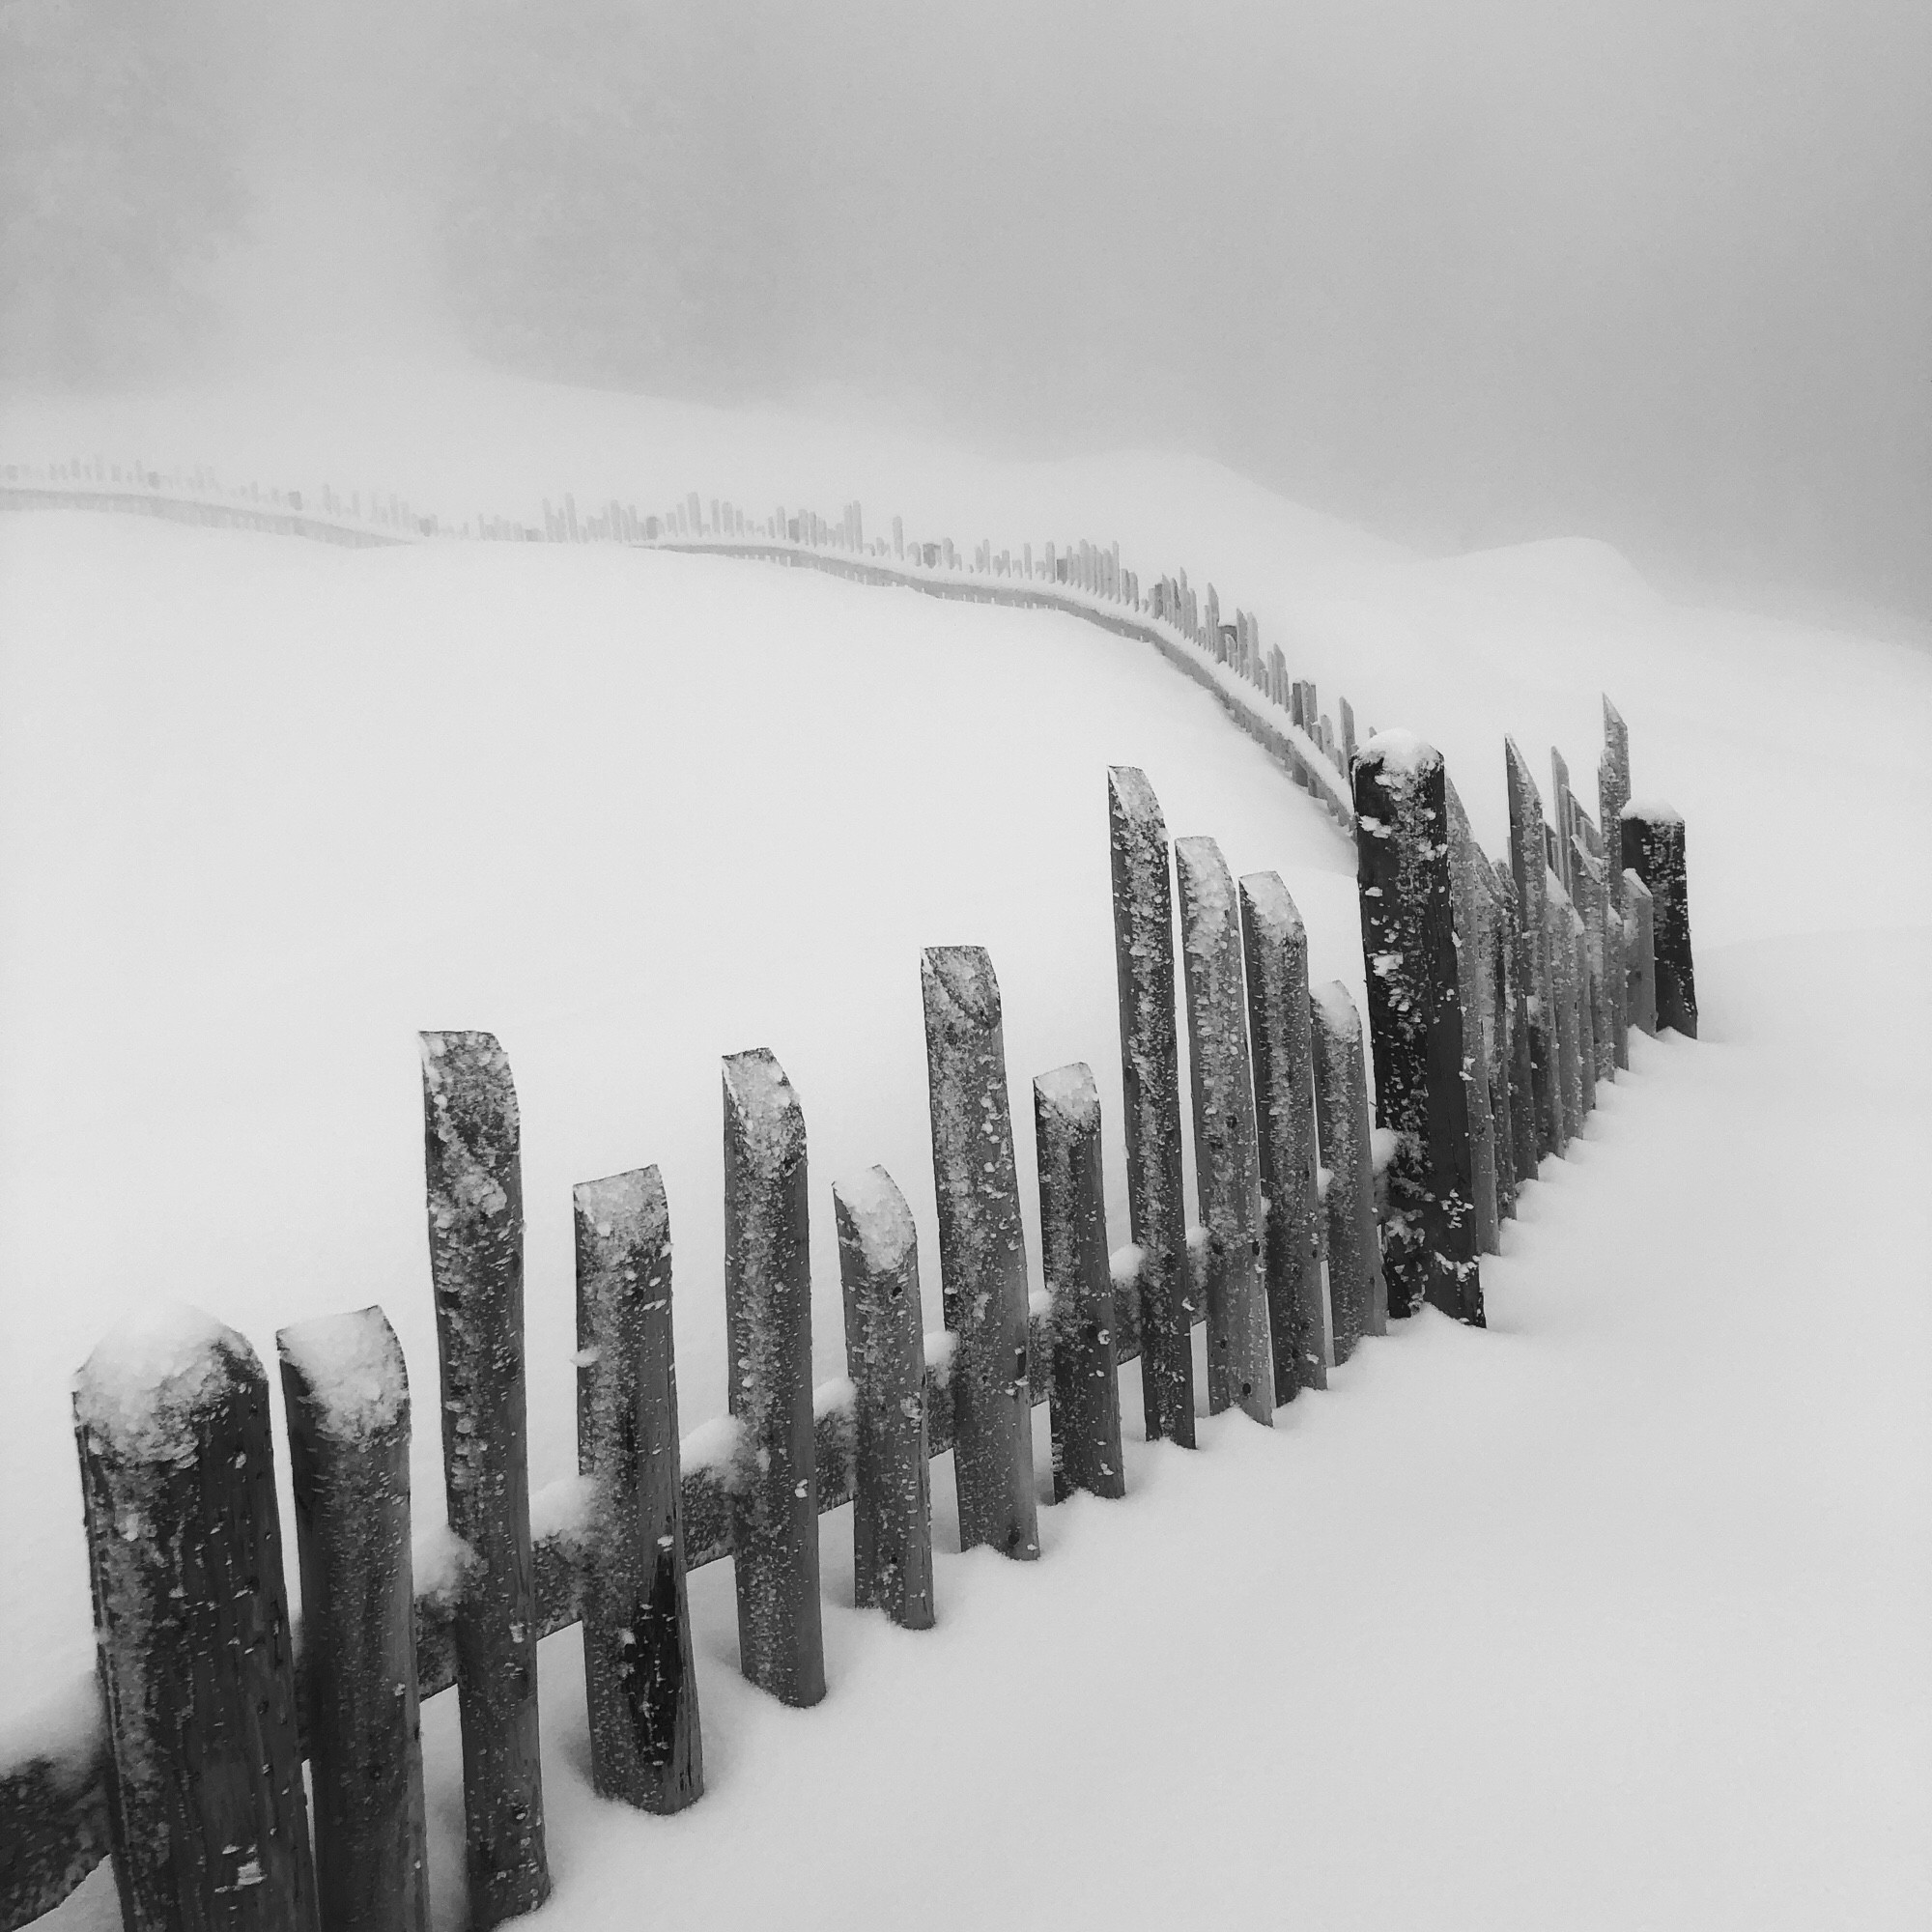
1659 271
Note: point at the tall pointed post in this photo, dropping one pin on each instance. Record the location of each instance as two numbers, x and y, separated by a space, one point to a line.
1151 1082
982 1263
1274 944
1514 949
1529 867
1642 960
768 1322
1415 1025
1465 862
476 1263
1613 791
1240 1358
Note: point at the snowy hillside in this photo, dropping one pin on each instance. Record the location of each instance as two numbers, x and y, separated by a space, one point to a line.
1610 1616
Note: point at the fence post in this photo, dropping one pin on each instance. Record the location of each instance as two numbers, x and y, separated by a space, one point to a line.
1567 1085
768 1316
1586 1026
1274 944
1416 1026
1151 1084
205 1810
885 1356
1613 790
1086 1399
639 1683
1561 819
346 1395
1653 847
1529 869
1514 942
476 1263
982 1249
1465 861
1240 1359
1498 980
1357 1290
1593 902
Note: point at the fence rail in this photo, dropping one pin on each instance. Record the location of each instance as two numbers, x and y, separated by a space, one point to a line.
1501 994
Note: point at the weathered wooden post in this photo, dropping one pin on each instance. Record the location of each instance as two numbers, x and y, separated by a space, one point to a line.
205 1811
1494 943
982 1249
346 1395
1653 848
1642 960
1593 903
1586 1029
1529 869
1274 945
1465 862
1561 819
885 1356
1150 1082
1357 1290
1415 1025
640 1682
768 1317
476 1264
1086 1399
1515 950
1567 1085
1613 790
1240 1358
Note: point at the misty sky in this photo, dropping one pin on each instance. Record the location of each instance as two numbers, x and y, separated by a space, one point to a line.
1657 270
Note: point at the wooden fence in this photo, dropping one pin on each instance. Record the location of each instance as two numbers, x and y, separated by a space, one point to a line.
1500 996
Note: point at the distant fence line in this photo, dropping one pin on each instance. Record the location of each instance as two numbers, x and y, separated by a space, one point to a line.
1500 996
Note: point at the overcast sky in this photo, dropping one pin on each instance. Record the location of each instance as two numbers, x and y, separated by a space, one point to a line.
1657 270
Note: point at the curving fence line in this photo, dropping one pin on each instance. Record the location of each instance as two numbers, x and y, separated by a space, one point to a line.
1500 995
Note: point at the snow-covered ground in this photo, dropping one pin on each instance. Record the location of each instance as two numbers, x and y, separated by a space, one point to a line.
1610 1616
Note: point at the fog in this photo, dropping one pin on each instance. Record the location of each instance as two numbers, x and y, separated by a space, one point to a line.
1659 271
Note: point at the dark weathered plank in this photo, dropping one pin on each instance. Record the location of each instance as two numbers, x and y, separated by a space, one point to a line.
208 1815
1515 951
1568 1086
1240 1358
1529 869
640 1682
982 1249
1086 1398
1653 847
1594 907
346 1396
1416 1026
1496 978
1274 945
476 1264
1357 1288
1613 791
1150 1082
1468 870
773 1504
885 1358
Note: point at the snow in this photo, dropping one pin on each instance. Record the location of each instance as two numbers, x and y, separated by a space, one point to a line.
1653 810
1400 752
879 1218
1340 1014
1069 1093
352 1368
141 1391
1618 1604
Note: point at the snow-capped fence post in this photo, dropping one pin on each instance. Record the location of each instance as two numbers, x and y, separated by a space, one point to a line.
1357 1290
1653 848
1641 966
205 1810
1274 944
1416 1025
346 1395
1497 976
476 1264
1085 1405
1151 1084
884 1357
774 1481
639 1684
1529 869
1466 862
1240 1358
982 1249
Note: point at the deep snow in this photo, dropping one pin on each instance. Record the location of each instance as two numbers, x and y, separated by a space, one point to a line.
1609 1615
